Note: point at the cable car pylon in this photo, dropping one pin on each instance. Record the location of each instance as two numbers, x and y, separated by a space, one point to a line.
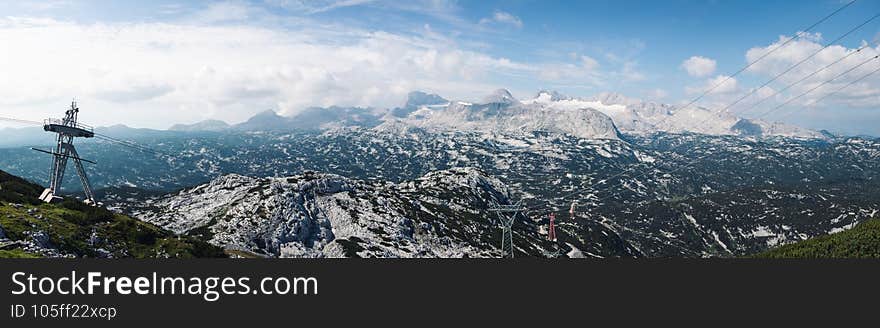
507 214
67 129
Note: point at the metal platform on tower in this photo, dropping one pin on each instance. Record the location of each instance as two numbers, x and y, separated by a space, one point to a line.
76 130
67 129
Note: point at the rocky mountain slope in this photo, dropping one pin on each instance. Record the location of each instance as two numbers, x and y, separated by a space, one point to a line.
735 191
660 195
442 214
639 117
208 125
665 195
501 112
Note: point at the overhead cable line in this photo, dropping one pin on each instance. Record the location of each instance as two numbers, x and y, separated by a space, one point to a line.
116 141
838 90
847 85
687 165
818 86
802 61
802 79
15 120
747 66
798 35
132 145
695 160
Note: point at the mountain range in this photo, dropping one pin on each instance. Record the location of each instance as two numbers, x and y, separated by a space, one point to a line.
604 116
325 215
660 195
645 179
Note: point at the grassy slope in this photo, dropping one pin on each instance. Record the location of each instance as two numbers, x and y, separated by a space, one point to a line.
71 224
17 254
862 241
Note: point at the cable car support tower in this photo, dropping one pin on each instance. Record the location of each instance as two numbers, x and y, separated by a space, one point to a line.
507 214
67 129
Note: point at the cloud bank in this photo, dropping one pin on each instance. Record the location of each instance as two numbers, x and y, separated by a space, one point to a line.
150 72
699 66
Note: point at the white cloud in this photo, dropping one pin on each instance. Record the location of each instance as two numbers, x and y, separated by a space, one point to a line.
847 111
157 74
502 17
764 92
719 85
233 59
698 66
657 94
629 73
46 5
225 12
586 73
582 70
866 93
134 92
172 9
589 63
443 10
317 6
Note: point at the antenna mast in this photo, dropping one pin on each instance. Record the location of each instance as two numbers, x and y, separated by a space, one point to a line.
67 129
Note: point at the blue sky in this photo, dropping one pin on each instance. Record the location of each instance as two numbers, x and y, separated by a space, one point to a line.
188 61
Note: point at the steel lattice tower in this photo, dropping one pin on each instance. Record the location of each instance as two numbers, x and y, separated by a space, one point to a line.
507 214
67 129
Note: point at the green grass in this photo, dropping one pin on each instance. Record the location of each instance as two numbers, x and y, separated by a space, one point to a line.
17 254
70 225
243 254
862 241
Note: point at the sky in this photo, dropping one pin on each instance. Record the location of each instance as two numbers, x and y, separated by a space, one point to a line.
157 63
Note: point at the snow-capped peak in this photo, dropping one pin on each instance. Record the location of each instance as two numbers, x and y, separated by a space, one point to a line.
553 99
639 117
550 95
500 96
612 98
602 116
418 98
501 112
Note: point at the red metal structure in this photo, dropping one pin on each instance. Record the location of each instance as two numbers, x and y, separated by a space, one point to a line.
551 235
